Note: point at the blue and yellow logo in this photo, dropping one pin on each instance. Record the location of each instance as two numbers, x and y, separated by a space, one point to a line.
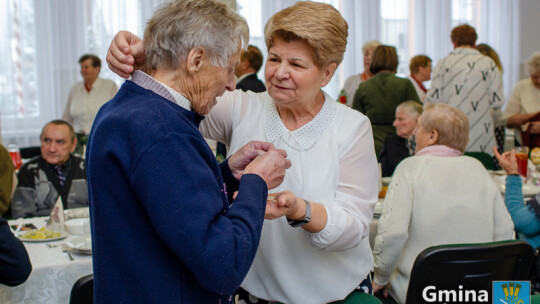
512 292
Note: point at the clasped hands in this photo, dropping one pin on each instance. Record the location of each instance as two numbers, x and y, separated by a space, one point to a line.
262 159
269 163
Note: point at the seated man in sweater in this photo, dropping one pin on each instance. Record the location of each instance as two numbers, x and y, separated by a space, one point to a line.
436 197
55 173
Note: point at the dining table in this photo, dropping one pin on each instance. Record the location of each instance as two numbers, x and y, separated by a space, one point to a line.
53 271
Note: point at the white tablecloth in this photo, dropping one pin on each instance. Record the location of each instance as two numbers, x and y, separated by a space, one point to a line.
53 274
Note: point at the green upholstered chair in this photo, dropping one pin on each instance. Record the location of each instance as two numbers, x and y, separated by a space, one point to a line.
359 298
484 158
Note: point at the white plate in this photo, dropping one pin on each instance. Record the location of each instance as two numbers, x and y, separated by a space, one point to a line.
81 244
63 235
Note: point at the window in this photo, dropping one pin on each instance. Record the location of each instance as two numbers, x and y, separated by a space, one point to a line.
46 39
18 76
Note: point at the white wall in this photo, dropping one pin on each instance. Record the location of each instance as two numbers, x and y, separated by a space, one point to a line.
530 25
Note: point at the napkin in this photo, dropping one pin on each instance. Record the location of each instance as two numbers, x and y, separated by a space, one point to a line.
56 220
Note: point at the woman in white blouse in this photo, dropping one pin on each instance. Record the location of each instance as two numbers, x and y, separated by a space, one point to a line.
329 192
524 104
436 197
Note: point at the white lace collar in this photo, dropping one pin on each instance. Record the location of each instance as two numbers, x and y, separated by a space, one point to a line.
304 138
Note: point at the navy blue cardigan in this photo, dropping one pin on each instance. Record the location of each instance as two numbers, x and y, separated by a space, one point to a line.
162 229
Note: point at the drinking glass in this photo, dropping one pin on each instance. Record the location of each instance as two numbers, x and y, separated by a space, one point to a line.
522 155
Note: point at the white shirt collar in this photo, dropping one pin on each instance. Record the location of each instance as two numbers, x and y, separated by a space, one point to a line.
179 99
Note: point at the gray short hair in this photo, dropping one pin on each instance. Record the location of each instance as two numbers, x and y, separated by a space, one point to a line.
370 44
181 25
451 124
533 64
414 107
60 122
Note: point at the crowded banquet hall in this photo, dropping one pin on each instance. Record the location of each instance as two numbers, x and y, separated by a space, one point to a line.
374 151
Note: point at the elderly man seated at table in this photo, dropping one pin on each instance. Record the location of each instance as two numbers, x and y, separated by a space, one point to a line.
401 145
436 197
55 173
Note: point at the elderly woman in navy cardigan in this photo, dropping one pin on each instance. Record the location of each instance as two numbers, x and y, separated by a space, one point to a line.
162 227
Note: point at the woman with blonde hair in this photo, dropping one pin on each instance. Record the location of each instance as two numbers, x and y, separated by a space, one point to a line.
316 250
435 197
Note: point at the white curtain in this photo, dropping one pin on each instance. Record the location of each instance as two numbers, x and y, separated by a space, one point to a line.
432 26
499 27
268 8
44 39
63 31
364 20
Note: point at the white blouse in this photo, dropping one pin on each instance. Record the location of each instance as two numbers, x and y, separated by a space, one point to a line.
82 106
350 87
525 99
334 164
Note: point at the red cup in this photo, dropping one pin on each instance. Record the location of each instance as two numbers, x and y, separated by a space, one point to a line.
16 157
15 154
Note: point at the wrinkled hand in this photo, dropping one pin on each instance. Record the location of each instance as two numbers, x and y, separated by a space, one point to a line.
507 161
283 203
125 54
535 127
382 289
270 166
243 157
